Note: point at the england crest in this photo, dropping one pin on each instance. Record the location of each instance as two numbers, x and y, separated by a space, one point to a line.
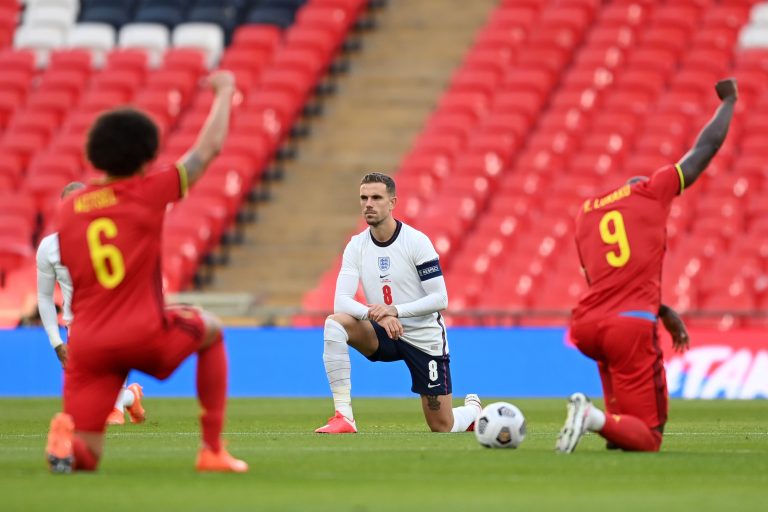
383 263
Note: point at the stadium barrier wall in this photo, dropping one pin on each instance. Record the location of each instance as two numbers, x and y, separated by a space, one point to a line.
513 362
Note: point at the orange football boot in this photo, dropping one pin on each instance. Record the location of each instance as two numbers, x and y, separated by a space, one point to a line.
136 411
221 461
58 449
116 417
338 424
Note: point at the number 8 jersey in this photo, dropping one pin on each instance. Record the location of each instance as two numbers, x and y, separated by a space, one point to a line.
110 240
621 240
403 272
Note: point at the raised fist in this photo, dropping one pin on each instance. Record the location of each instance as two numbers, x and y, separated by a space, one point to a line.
726 89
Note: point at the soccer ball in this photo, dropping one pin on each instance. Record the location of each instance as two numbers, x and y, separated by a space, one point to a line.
500 425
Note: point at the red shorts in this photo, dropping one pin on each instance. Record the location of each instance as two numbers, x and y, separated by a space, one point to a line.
631 366
95 372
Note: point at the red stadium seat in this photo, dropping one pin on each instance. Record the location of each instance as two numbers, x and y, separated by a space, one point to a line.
10 170
301 59
127 58
44 123
261 37
71 59
23 144
320 41
190 60
126 81
330 18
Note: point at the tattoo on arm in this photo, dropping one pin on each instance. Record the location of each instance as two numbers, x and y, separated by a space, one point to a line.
194 166
433 403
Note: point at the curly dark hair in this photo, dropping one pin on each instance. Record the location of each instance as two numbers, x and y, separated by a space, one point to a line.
377 177
121 141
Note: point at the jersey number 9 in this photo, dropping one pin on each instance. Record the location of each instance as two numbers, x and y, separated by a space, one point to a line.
613 232
107 260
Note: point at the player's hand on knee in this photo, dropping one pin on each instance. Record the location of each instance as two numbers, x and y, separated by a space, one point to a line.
377 312
393 327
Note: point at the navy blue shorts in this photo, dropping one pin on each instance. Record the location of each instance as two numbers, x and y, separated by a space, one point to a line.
430 375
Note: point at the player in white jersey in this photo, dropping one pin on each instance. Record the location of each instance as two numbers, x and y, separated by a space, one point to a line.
49 271
405 291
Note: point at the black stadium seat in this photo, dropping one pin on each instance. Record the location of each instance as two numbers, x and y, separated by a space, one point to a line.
226 17
117 16
282 18
164 15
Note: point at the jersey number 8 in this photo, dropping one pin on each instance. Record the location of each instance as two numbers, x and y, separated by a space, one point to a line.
107 260
387 292
613 232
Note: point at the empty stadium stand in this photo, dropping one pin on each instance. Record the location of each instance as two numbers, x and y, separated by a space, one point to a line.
556 100
559 100
65 61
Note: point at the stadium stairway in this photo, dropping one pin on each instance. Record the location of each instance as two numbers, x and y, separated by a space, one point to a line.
393 84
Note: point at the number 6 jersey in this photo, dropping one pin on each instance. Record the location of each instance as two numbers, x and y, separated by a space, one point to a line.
110 240
403 272
621 239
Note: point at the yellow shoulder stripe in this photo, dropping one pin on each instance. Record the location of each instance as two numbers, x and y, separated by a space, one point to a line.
682 178
183 180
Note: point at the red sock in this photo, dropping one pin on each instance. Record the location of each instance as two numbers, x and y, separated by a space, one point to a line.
630 433
212 391
85 459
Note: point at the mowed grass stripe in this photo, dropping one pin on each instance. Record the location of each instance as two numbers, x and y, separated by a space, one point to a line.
715 457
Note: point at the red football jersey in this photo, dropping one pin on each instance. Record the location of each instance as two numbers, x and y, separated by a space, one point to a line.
109 237
621 239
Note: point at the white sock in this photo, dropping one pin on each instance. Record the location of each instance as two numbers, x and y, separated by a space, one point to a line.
121 399
128 397
595 419
463 417
337 366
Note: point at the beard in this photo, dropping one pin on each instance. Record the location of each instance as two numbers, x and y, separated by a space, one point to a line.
373 221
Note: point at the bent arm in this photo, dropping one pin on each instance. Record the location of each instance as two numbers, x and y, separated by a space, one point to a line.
435 300
344 300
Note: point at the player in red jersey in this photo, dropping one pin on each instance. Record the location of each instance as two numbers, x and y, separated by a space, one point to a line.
621 240
109 237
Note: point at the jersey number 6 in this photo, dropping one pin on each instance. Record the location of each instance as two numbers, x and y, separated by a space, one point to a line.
613 232
107 260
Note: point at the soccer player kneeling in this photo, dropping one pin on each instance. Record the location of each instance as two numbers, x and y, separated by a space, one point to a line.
109 238
405 290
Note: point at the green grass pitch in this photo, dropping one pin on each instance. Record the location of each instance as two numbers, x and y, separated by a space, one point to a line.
715 457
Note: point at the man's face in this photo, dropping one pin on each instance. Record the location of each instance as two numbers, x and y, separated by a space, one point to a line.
376 203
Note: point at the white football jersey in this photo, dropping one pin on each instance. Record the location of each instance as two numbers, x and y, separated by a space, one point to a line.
49 264
393 273
49 271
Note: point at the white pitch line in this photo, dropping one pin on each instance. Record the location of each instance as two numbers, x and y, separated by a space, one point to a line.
361 434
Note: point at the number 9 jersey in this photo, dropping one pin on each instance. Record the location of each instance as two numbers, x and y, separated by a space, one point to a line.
621 240
110 240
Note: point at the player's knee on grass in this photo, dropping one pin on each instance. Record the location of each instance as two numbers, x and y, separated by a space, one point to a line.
439 415
440 424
